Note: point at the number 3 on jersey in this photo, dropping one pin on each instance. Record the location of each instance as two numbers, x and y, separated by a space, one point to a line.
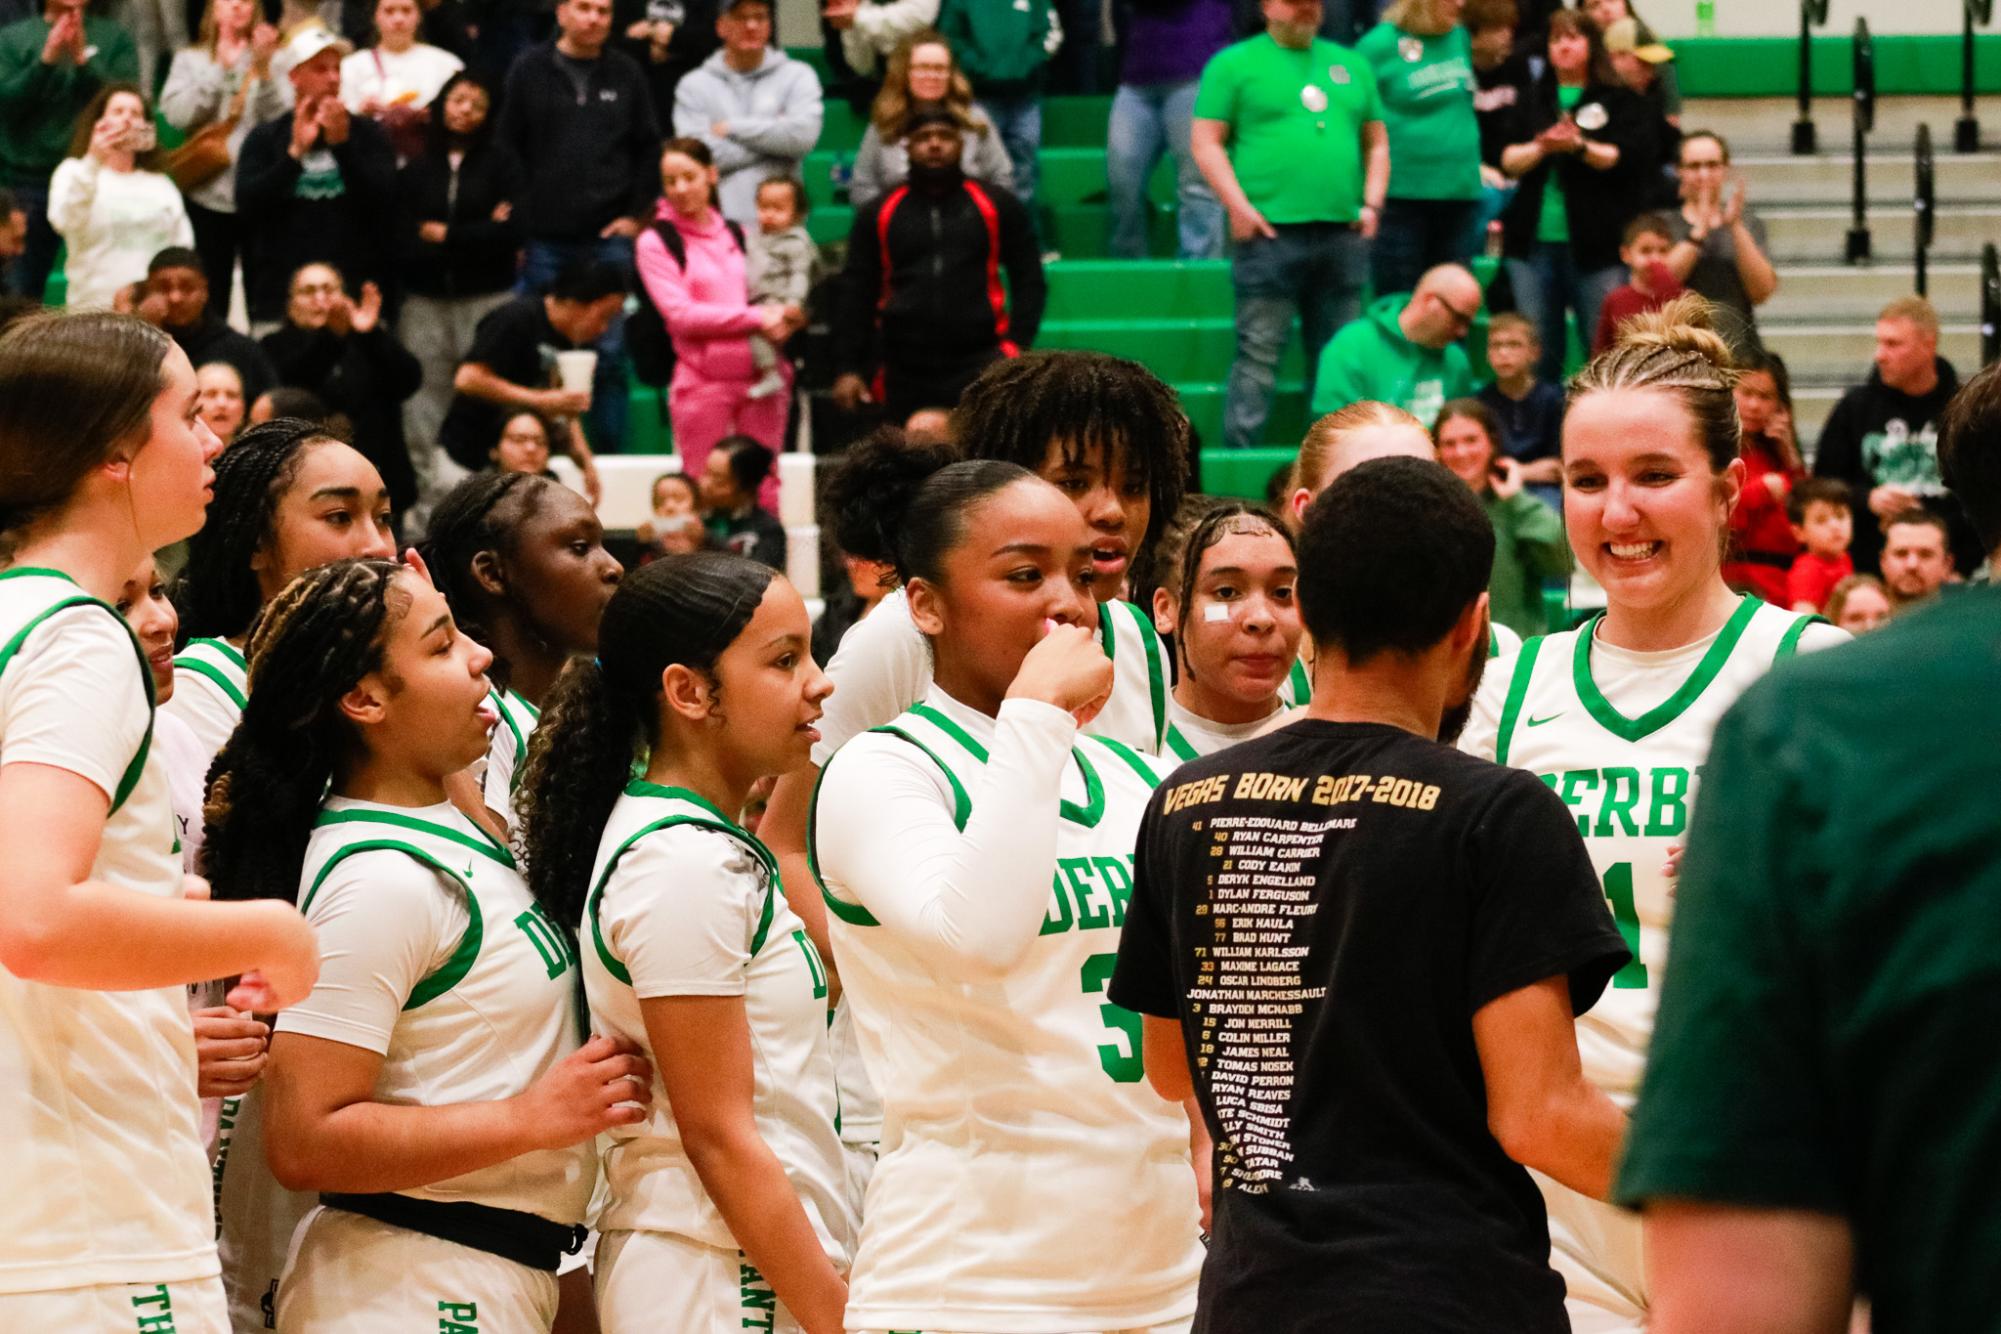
1124 1068
1619 889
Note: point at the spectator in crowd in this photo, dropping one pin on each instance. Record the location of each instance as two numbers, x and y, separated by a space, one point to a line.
1917 558
1608 13
1424 68
1529 409
1823 519
922 71
676 526
1638 63
1503 81
917 313
222 402
1166 46
732 475
1719 241
1561 231
395 82
313 185
932 426
512 365
1303 193
1529 541
109 200
1649 284
1858 604
13 239
697 280
1762 543
668 39
756 108
286 401
1801 1142
871 30
1882 437
51 67
1005 51
523 445
158 29
340 349
1406 351
581 123
460 237
222 87
177 299
781 264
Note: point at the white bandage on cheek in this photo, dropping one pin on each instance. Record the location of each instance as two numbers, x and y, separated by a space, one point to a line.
1216 611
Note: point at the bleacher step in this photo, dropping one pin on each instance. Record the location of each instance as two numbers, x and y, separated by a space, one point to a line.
1815 234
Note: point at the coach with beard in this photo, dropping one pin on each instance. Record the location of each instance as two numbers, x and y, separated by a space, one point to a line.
1362 952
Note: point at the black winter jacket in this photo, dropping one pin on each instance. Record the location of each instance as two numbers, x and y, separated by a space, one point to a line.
589 160
477 256
290 219
922 290
1598 204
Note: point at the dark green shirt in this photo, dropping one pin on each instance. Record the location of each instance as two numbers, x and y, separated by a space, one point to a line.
39 103
1827 1030
1529 546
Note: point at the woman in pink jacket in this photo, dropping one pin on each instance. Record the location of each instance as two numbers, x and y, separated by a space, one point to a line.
701 294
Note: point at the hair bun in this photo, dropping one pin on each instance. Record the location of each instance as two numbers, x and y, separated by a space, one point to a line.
1686 324
870 492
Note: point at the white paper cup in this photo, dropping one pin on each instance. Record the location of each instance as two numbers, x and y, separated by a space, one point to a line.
575 368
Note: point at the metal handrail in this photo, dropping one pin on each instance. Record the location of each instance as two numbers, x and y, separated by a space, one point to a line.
1813 13
1865 121
1966 130
1924 204
1990 304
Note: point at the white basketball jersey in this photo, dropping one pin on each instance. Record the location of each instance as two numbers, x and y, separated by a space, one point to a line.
211 682
507 751
1020 1138
494 1018
1630 782
106 1179
651 1183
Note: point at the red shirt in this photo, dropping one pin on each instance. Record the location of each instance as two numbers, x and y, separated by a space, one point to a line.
1627 301
1813 577
1762 546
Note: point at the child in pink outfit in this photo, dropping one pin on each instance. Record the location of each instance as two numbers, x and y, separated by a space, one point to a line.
703 301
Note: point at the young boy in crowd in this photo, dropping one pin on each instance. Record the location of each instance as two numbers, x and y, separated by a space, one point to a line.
1824 522
676 527
781 264
1530 410
1650 284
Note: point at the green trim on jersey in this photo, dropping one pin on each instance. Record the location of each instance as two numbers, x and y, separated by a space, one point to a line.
950 729
520 738
962 804
1301 682
1638 729
1087 815
1156 677
721 824
1791 643
1093 809
38 572
1178 744
1518 689
465 955
130 778
1131 757
851 913
484 844
187 660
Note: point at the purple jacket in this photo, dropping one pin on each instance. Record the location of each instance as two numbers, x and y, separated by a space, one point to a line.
1170 43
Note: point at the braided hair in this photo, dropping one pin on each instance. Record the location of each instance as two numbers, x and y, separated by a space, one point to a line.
216 592
1082 401
603 716
480 513
317 639
1231 516
1676 351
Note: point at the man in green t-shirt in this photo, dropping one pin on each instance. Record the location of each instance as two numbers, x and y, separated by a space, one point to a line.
1289 133
1821 1114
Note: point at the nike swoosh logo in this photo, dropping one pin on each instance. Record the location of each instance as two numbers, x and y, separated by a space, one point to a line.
1538 722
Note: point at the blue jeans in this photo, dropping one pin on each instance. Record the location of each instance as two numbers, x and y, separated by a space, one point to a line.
1548 286
1019 120
1415 235
1147 120
1314 270
545 259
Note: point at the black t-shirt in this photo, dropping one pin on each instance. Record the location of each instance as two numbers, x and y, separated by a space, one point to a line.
517 343
1323 910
